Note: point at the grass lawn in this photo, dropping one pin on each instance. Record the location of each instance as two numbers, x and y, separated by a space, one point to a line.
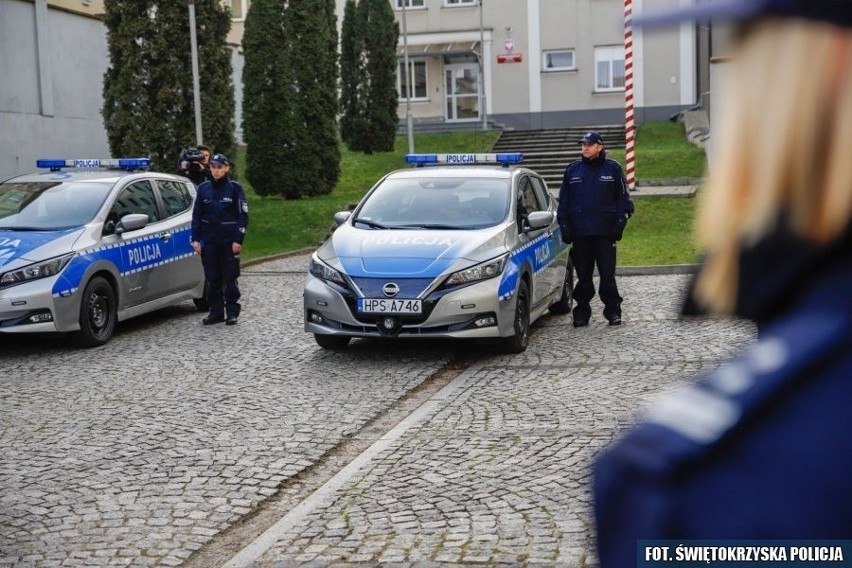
659 233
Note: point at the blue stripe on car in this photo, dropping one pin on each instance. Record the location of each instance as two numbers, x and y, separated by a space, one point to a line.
73 274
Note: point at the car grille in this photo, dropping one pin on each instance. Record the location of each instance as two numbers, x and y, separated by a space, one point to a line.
408 288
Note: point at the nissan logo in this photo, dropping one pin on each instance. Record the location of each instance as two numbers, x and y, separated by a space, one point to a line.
390 289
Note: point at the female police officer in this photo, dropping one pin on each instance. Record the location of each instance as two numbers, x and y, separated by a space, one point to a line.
219 221
760 449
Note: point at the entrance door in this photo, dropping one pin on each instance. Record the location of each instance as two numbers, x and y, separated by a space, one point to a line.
461 88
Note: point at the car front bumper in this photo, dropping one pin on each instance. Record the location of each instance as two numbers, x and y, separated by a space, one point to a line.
31 307
473 311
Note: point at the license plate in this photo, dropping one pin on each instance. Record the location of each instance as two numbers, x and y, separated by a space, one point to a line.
388 306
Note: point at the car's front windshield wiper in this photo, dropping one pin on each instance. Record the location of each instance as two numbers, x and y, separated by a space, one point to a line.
16 228
430 226
369 223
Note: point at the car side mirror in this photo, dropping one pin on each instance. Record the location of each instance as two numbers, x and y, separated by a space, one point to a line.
131 222
341 217
540 220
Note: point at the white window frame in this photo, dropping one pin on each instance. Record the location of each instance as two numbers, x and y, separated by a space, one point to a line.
412 63
459 3
409 4
245 7
546 60
608 54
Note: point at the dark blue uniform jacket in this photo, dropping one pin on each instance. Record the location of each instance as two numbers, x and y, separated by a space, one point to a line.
761 448
220 213
593 199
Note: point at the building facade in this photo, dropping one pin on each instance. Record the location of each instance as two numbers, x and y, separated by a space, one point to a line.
532 63
53 55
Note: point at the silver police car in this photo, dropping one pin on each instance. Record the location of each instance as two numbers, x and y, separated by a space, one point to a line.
462 246
89 243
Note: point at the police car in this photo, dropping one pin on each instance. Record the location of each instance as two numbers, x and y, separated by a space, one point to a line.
462 246
88 243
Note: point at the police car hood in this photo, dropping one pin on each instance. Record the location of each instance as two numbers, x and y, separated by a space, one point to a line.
19 248
411 253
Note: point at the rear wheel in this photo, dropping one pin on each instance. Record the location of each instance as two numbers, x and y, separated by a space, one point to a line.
333 342
563 305
521 338
97 313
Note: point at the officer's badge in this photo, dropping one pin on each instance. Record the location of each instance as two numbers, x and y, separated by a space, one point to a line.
245 206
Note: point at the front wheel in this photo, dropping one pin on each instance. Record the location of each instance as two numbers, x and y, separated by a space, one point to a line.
518 342
97 313
333 342
565 301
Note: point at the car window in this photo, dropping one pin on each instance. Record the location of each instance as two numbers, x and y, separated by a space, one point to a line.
176 196
541 192
138 197
527 201
429 202
50 205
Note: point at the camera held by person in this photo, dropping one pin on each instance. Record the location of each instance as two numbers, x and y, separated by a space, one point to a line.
193 163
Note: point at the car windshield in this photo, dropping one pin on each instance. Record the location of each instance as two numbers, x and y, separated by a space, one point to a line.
436 203
47 206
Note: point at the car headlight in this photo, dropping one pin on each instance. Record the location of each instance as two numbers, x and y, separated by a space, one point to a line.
324 272
43 269
482 271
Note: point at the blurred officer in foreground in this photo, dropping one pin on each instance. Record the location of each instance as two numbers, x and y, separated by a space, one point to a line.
762 448
219 222
194 164
593 210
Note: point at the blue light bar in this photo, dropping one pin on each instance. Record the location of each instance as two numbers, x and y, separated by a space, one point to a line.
505 159
108 163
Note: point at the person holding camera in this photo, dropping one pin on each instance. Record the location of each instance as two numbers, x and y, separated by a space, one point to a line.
219 221
193 163
593 210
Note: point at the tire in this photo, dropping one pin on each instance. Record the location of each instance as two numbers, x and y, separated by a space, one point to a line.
519 341
201 304
333 342
97 313
566 300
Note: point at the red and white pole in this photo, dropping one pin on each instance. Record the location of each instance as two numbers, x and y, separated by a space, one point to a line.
629 126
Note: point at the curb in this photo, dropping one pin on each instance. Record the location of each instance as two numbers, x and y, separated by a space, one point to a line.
278 256
657 270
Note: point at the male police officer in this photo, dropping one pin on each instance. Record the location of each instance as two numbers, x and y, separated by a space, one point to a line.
219 221
593 210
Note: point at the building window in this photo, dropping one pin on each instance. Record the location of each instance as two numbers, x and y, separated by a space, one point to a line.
410 4
417 71
609 68
558 60
460 2
239 8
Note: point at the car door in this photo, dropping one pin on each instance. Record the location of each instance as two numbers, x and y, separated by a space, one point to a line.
553 274
146 253
176 198
536 244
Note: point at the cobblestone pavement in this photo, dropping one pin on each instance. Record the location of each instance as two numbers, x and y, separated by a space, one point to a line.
149 449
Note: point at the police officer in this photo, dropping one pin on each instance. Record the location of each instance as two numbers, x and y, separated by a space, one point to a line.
593 210
219 221
761 448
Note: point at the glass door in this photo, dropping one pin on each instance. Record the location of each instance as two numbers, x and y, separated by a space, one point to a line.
461 92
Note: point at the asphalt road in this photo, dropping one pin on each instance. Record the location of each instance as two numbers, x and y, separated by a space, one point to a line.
179 444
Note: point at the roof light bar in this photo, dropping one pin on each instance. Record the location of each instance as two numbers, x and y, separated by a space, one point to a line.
504 158
108 163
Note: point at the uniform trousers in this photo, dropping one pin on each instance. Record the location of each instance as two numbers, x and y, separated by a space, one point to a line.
221 269
586 253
